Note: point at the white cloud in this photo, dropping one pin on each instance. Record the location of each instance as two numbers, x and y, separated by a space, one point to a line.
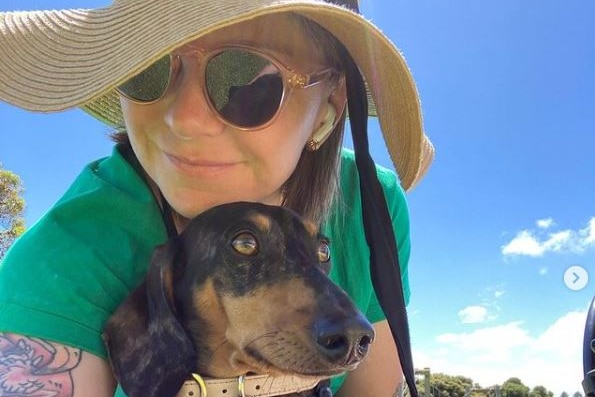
545 223
558 241
487 310
491 355
524 244
473 315
588 233
537 242
493 342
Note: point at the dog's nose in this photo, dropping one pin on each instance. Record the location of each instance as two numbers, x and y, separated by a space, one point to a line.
346 341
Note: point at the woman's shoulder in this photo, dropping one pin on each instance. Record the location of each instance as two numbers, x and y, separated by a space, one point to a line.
346 213
106 208
349 179
108 176
107 191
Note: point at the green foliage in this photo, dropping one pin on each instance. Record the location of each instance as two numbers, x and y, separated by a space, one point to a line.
12 206
540 391
442 385
513 387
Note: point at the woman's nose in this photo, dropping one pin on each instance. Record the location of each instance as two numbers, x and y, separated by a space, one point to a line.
188 114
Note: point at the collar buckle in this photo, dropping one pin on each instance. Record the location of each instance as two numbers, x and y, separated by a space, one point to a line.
245 386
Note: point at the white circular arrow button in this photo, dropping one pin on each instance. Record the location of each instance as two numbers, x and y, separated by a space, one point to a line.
576 278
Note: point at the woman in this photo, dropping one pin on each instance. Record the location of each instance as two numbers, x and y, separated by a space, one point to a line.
212 104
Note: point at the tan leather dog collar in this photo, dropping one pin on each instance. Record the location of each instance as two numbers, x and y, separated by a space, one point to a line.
245 386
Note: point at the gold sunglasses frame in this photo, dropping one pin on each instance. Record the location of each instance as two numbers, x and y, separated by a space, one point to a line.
291 79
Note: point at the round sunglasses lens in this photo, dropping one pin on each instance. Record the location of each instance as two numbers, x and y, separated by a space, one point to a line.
150 84
245 88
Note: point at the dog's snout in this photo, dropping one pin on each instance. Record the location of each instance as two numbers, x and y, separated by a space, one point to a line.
344 342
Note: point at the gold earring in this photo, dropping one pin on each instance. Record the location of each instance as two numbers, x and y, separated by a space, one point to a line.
323 132
312 145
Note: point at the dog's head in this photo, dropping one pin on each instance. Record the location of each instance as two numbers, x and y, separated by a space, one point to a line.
243 289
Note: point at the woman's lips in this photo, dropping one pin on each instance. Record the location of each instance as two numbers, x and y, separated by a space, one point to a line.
196 167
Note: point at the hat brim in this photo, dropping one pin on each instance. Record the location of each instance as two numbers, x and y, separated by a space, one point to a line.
56 60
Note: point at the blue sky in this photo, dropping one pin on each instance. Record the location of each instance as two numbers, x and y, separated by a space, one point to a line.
507 92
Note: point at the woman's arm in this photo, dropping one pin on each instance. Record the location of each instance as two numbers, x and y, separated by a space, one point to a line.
380 374
37 367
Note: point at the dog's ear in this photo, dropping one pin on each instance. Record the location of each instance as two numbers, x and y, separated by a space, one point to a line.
149 350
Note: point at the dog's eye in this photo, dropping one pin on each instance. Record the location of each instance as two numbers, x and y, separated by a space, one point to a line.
245 244
324 252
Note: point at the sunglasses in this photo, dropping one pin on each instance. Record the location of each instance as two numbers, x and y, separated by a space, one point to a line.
245 87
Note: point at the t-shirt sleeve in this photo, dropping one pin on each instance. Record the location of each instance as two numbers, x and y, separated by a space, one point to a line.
64 277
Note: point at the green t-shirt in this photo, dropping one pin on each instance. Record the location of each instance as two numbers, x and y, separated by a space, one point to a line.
64 276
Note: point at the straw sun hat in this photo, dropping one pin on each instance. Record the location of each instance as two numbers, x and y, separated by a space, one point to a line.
56 60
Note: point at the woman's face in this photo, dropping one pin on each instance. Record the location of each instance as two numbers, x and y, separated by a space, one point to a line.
198 161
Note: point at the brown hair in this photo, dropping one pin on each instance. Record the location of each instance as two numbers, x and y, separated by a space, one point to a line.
312 187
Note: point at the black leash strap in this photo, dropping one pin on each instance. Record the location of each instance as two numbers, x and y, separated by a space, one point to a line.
384 261
589 352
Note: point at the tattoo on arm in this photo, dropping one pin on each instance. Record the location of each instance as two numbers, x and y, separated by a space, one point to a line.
400 391
34 367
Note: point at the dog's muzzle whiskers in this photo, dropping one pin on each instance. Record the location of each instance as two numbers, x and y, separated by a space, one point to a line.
280 350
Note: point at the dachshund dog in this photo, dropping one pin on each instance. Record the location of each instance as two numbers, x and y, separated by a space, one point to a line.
243 290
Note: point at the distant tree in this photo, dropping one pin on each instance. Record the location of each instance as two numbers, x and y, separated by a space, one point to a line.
12 206
564 394
513 387
577 394
442 385
540 391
